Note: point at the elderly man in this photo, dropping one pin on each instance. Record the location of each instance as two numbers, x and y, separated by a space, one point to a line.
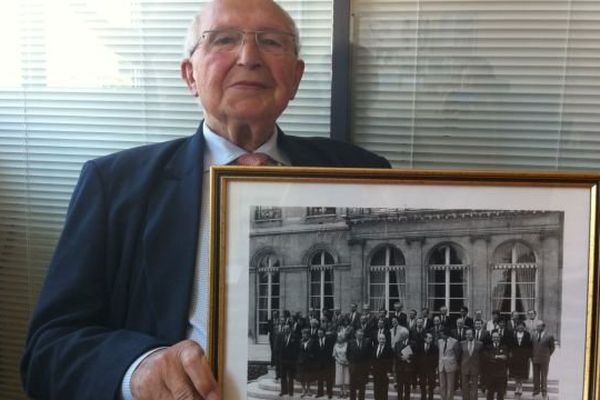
124 308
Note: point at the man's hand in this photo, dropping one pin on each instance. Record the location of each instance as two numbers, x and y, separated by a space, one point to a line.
178 372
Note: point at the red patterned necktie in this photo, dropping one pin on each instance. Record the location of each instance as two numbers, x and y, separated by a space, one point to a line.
254 159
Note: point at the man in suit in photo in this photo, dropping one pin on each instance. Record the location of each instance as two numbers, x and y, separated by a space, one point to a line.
411 321
314 328
417 334
531 322
497 364
470 364
448 364
464 314
397 332
380 330
325 363
288 355
359 359
481 335
543 347
399 313
381 366
125 298
512 324
354 316
427 365
437 328
459 333
279 329
427 318
445 318
405 366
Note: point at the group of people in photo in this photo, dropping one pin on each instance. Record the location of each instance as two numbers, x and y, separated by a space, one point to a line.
409 352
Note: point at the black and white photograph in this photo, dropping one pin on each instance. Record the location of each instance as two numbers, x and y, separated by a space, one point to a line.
332 285
326 281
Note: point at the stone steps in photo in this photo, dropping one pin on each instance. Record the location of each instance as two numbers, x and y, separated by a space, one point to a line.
267 388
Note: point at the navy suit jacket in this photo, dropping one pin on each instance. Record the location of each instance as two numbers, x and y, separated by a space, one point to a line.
121 277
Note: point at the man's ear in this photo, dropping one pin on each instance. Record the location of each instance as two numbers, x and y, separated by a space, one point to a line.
298 72
187 74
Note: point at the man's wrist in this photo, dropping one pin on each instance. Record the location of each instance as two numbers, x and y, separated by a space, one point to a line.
126 393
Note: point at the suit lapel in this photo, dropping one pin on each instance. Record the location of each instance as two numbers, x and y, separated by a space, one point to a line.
170 238
297 152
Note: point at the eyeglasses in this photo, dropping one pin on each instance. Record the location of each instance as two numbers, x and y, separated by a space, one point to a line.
229 40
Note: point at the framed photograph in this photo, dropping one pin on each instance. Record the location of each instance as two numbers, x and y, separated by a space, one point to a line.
315 255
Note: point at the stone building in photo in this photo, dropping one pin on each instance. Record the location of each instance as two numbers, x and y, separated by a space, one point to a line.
315 258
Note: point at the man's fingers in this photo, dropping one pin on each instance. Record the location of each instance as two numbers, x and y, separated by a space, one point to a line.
197 369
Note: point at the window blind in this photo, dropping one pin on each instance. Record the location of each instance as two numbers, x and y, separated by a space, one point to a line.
83 78
478 83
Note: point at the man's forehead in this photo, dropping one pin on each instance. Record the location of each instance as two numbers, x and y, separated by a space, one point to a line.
261 14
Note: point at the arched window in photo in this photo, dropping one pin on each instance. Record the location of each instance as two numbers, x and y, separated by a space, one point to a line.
447 278
268 293
387 278
321 281
514 278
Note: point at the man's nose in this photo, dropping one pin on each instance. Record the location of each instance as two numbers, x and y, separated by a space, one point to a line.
249 54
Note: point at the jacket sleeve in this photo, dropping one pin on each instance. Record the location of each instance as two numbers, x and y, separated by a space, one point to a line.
75 350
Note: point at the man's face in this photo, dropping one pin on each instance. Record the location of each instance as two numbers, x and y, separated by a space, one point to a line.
531 315
359 334
247 85
420 323
460 324
381 339
478 324
412 314
436 320
496 337
469 334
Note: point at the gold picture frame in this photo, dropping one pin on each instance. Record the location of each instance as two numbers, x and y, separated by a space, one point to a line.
555 214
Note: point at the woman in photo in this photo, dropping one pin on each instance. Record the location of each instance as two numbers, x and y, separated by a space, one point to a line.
342 373
519 361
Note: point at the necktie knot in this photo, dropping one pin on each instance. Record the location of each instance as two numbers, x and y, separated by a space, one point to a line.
254 159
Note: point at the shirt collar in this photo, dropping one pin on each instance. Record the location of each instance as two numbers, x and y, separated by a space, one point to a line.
220 151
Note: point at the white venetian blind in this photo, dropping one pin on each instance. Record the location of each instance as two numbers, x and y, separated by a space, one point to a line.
478 83
83 78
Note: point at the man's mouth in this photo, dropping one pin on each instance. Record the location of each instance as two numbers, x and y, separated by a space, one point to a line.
249 85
